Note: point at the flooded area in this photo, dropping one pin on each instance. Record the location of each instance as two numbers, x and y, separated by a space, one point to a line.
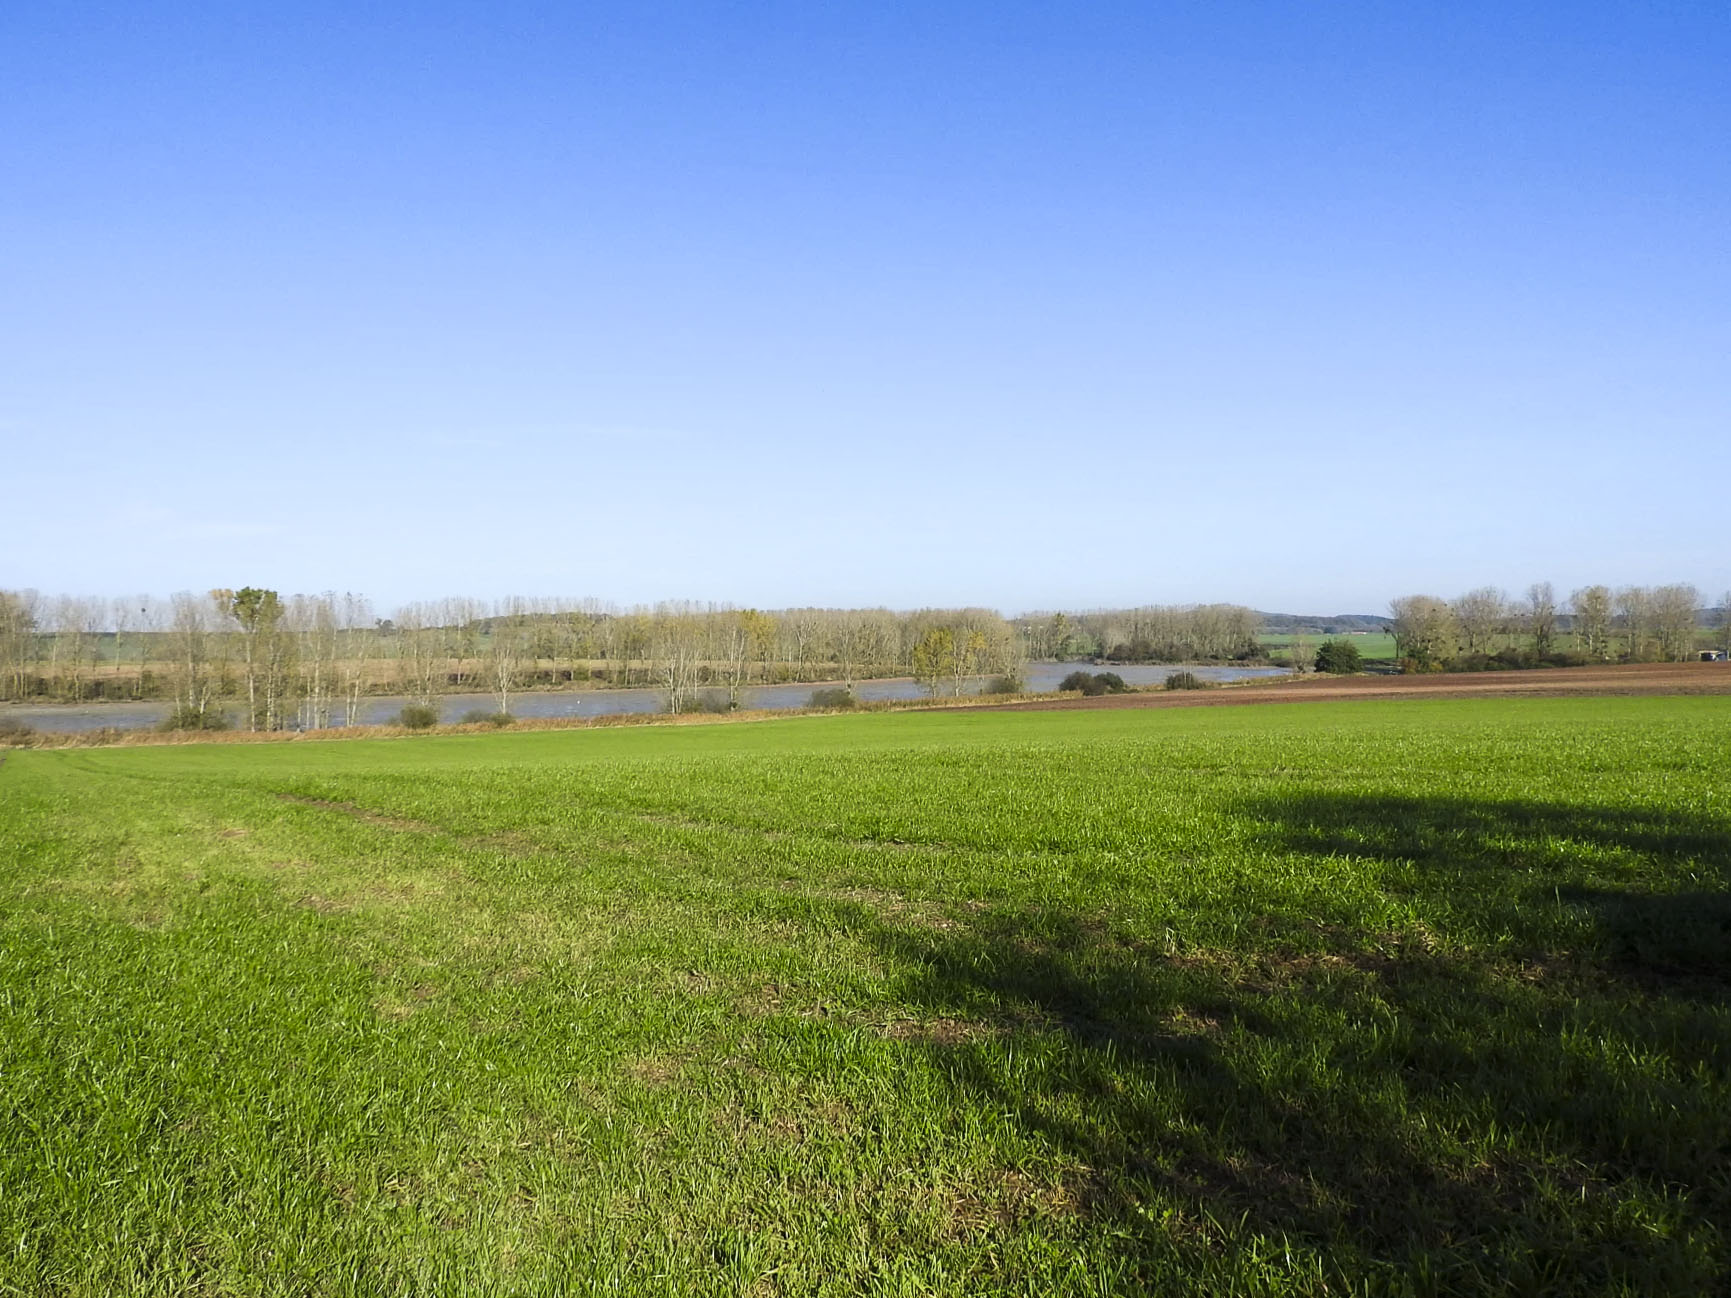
1041 677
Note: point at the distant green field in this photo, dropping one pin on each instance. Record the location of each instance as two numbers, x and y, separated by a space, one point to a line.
1416 997
1371 644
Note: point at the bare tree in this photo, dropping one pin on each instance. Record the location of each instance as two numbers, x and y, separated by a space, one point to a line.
360 636
65 646
972 656
578 642
1673 612
420 653
880 641
258 613
149 628
1164 633
1541 616
315 624
848 635
635 640
20 611
1480 615
120 618
802 637
465 622
678 650
507 648
932 655
1590 618
1725 624
94 619
1634 606
189 639
743 640
1424 629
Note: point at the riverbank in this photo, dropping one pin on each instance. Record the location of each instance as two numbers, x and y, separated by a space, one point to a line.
537 705
112 738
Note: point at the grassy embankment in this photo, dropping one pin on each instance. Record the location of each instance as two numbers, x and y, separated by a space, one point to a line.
1416 997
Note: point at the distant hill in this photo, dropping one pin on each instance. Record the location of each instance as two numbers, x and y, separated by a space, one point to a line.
1319 624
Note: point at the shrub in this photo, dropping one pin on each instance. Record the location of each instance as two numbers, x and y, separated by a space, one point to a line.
1185 681
1003 685
1091 684
190 718
1513 659
13 731
836 697
418 716
482 717
689 701
1339 658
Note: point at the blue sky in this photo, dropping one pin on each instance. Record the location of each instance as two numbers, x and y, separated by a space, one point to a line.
1030 306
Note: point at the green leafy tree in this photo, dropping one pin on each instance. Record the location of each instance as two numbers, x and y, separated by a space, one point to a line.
1338 658
258 612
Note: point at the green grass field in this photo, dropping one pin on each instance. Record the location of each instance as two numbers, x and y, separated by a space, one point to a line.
1374 645
1417 997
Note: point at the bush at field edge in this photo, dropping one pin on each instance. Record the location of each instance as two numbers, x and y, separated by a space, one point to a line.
1339 658
1091 684
837 698
190 718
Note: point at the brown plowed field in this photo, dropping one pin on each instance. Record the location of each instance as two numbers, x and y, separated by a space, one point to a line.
1631 678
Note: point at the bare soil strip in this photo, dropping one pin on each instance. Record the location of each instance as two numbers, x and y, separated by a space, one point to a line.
1623 678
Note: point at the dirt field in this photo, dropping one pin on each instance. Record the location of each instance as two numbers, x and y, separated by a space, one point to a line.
1632 678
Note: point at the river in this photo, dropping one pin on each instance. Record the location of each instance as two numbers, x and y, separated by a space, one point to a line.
383 709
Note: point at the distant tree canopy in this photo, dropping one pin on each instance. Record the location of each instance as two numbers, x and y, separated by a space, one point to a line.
1153 633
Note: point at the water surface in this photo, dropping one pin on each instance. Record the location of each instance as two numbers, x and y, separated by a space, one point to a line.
383 709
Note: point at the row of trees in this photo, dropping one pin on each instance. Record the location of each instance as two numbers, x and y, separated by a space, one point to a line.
300 660
303 660
1630 624
684 647
1173 633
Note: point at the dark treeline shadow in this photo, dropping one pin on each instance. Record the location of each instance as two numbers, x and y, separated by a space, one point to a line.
1413 1116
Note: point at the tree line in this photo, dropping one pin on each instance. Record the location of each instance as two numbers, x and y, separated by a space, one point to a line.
1152 633
1599 624
304 660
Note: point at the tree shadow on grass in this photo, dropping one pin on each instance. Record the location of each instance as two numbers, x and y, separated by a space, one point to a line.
1656 885
1493 1124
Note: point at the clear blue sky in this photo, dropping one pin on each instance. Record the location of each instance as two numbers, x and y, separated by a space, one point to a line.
1300 306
